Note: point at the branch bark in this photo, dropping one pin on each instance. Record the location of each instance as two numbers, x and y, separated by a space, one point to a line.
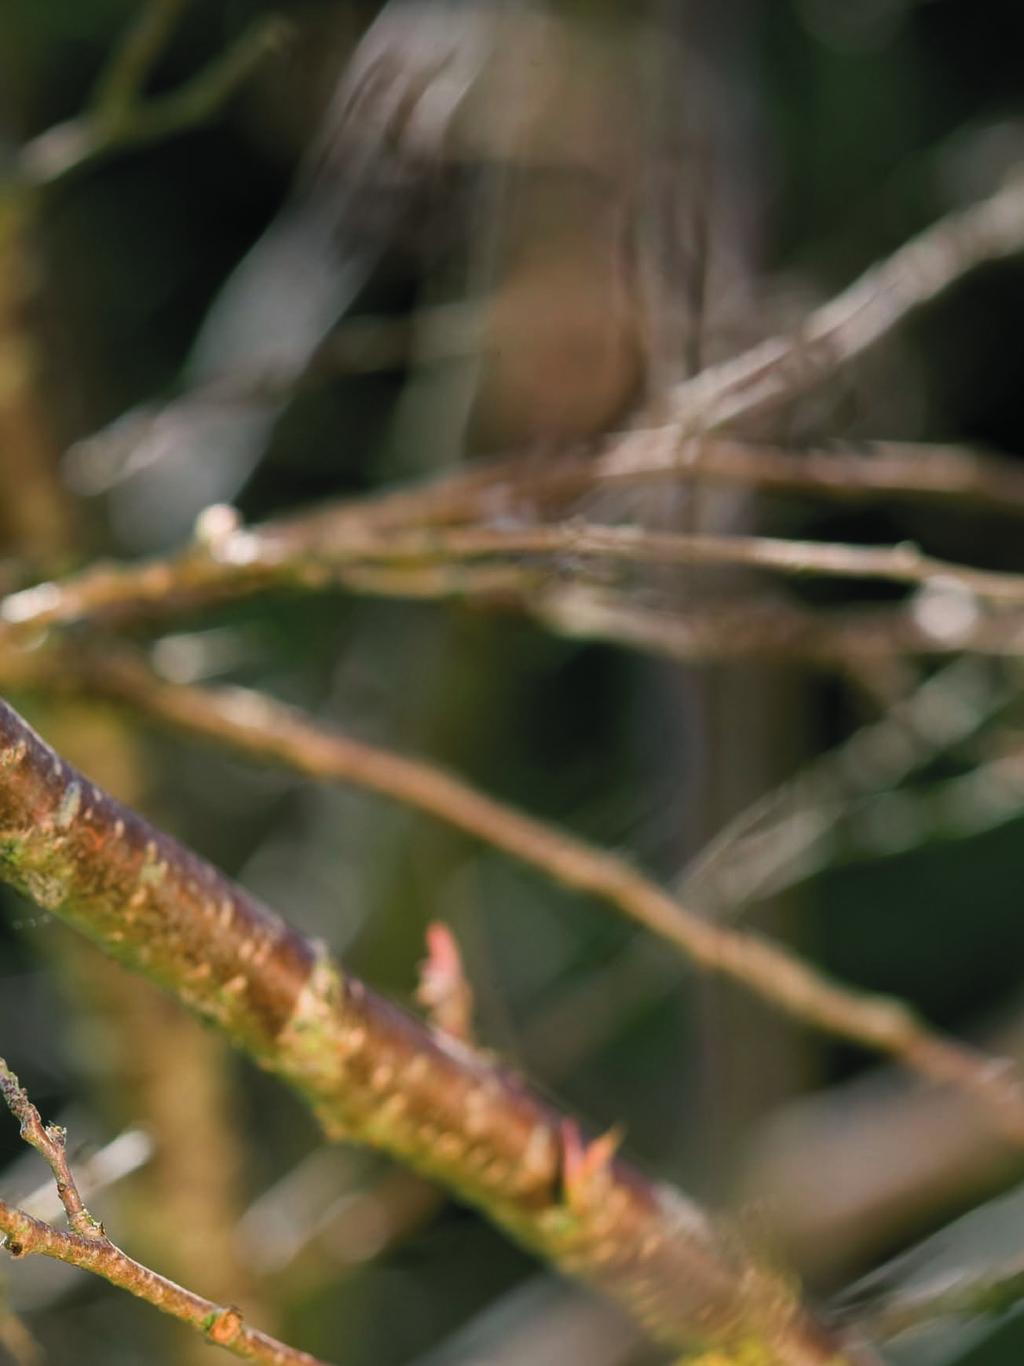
262 728
372 1073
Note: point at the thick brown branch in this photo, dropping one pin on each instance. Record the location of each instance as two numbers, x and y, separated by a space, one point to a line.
371 1072
258 726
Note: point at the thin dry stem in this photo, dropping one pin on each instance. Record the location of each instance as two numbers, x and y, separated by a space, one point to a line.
875 470
87 1246
779 370
48 1140
334 547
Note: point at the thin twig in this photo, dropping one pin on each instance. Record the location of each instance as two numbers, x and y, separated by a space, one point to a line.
874 470
87 1245
904 563
779 838
767 627
779 370
49 1141
335 547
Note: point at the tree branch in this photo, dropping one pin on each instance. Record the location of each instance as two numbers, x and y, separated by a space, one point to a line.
789 832
370 1072
782 368
267 730
87 1246
360 547
122 120
876 470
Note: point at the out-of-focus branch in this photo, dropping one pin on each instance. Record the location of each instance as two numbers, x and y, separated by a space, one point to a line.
969 1269
122 80
260 727
996 1292
87 1245
782 368
36 522
767 628
878 469
338 547
894 564
789 832
122 120
371 1072
874 470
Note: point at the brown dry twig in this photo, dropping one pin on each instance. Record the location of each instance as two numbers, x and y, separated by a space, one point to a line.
338 546
86 1245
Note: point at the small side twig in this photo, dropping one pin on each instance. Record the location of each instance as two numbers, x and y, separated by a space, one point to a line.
87 1245
783 835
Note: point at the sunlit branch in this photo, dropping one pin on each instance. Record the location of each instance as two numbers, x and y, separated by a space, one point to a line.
264 729
86 1245
374 1074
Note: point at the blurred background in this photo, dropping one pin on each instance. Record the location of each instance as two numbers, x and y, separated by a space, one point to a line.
807 139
